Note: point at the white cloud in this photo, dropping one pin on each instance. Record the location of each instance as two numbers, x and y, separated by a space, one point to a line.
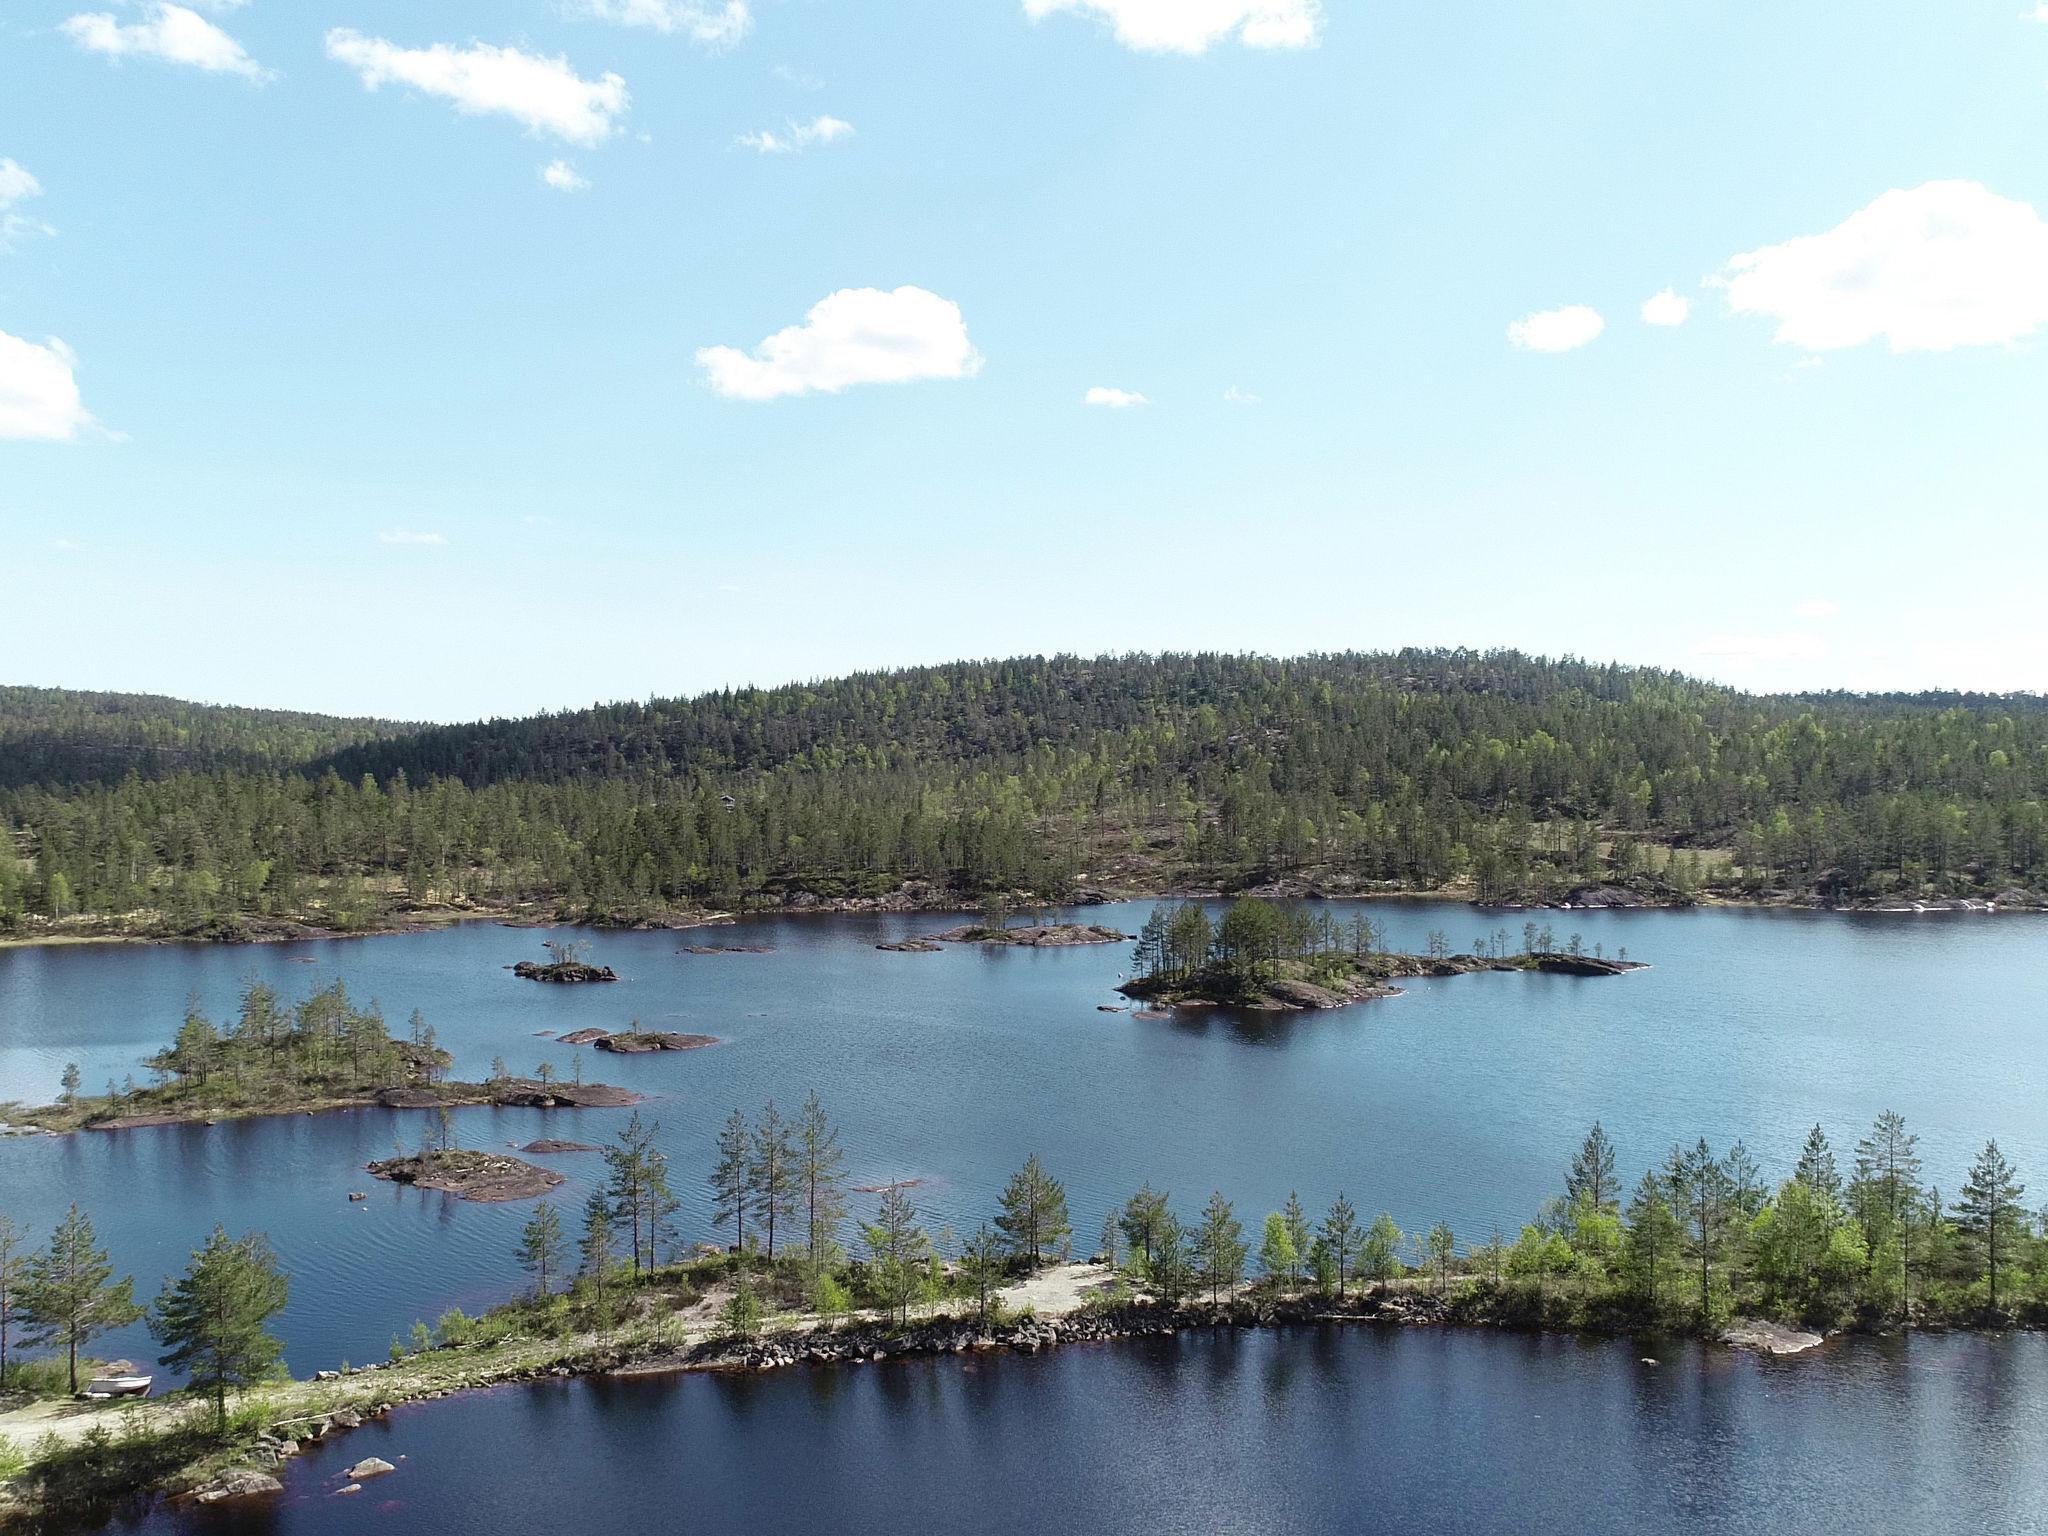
545 94
702 21
1949 264
400 536
1557 330
1190 26
797 137
854 336
1762 648
39 391
1114 399
563 177
169 32
1236 396
1666 308
801 79
1817 608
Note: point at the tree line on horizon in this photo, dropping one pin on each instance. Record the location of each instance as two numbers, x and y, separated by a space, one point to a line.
1512 776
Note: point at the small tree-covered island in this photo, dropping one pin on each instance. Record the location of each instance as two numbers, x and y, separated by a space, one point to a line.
1265 956
803 1268
323 1053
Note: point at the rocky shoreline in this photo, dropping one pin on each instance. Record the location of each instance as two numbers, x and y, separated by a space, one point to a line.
1290 990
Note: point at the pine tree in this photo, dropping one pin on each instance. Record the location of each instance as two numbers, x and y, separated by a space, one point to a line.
773 1188
540 1246
69 1293
1339 1237
1298 1233
1170 1265
1220 1241
13 1265
1144 1214
981 1264
1653 1236
1887 1180
731 1179
1989 1213
600 1254
1442 1246
1701 1190
631 1165
1034 1215
213 1319
1592 1173
898 1246
1279 1259
821 1172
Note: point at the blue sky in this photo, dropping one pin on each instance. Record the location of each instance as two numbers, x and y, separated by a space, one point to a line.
369 416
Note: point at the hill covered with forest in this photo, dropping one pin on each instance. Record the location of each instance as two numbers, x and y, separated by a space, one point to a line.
1494 775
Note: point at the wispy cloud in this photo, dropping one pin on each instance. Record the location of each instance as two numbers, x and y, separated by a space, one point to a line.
544 94
17 186
797 137
1191 26
1817 608
854 336
563 177
702 21
169 32
1236 396
402 536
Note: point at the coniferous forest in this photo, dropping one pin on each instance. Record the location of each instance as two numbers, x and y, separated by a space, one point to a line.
1496 775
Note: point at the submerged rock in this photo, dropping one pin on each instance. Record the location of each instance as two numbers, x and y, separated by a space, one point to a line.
370 1466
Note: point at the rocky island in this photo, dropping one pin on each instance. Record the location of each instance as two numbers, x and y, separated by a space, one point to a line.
637 1041
565 966
486 1177
1035 936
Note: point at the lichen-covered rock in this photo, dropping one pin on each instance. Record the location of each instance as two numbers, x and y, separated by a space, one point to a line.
241 1483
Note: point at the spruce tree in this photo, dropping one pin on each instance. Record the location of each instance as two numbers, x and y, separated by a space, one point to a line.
1816 1168
1592 1173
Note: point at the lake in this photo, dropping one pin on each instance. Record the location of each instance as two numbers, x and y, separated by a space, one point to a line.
1304 1431
1461 1101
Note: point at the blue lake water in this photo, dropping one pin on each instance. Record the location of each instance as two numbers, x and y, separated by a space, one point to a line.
1460 1101
1306 1431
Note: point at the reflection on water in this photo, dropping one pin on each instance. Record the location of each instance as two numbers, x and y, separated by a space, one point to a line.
1461 1101
1306 1431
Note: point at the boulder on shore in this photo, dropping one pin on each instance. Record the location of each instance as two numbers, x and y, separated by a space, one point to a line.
240 1483
1769 1338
